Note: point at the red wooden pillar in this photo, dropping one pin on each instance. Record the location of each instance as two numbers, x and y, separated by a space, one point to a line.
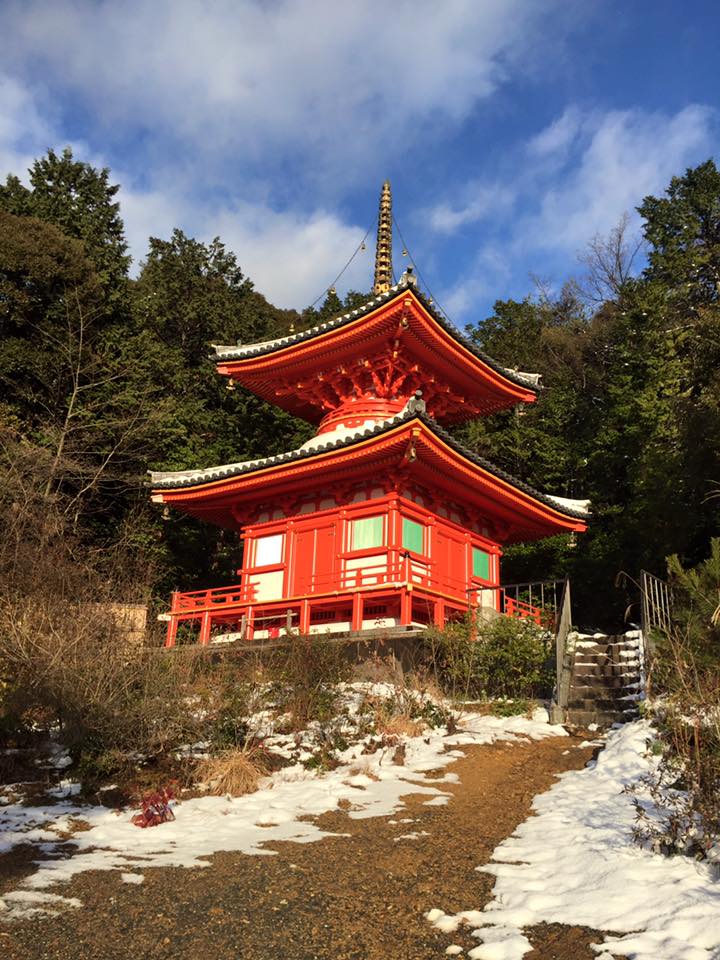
205 624
357 612
304 617
393 541
172 626
439 614
172 629
405 606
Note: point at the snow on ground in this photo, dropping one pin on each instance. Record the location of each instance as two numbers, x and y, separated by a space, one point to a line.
575 863
372 785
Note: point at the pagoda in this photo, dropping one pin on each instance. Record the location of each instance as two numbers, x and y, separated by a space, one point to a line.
382 519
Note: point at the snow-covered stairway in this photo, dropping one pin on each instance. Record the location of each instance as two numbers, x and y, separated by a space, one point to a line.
606 679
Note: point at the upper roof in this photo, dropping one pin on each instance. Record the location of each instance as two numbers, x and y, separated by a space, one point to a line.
210 492
400 327
241 351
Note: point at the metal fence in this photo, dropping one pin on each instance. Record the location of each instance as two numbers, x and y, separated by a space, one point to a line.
655 608
656 603
539 600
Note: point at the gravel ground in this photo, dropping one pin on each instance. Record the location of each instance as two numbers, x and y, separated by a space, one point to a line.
361 896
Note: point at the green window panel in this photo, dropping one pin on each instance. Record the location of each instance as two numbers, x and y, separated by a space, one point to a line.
480 563
366 533
412 535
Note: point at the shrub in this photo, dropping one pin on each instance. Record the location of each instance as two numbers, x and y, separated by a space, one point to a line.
234 772
108 700
510 708
503 658
306 672
686 715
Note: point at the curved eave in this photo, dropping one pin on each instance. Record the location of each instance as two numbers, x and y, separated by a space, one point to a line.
300 354
213 497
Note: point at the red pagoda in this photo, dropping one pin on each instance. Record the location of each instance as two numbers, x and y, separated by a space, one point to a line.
383 519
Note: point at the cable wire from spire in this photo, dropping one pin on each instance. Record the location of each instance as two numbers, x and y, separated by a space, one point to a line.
433 299
360 247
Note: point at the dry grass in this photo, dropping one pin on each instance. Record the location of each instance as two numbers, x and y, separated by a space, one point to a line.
396 717
234 772
398 725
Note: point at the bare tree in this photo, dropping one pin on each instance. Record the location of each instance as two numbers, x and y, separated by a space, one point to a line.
609 261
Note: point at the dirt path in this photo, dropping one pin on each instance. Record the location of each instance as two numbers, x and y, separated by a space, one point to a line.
357 897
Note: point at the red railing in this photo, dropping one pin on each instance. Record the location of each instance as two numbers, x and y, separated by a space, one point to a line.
327 599
538 600
522 610
400 573
215 597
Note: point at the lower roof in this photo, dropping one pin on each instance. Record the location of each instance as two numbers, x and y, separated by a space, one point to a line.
201 492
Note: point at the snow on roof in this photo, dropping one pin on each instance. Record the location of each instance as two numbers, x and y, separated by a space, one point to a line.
577 506
346 436
340 436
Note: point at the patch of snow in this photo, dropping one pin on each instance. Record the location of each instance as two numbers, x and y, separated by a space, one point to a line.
132 878
60 759
21 904
575 863
276 812
65 789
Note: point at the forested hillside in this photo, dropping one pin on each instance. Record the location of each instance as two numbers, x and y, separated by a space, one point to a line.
103 377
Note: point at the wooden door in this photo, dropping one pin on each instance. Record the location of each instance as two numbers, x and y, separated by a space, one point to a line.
325 559
302 561
450 556
314 560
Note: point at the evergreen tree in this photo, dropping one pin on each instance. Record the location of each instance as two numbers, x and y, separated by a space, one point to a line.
189 295
683 230
80 201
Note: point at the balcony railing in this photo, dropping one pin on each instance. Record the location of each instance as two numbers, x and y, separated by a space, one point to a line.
405 571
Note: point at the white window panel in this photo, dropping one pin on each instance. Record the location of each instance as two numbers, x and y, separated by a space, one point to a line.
268 586
269 550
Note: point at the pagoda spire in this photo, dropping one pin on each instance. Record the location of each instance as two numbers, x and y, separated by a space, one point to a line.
383 250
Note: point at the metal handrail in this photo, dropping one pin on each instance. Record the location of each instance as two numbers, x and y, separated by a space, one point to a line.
655 608
564 659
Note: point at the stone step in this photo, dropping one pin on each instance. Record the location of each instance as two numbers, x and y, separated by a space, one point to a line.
588 669
612 655
603 718
624 664
616 695
616 681
603 704
606 649
606 681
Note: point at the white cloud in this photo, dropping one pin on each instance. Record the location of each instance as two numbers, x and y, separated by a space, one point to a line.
252 118
594 167
483 202
289 256
339 84
489 272
22 127
625 156
559 135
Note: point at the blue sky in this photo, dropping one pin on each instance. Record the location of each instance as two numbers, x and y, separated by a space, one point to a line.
513 131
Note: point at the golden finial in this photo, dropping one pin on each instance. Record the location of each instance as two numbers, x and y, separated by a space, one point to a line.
383 250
